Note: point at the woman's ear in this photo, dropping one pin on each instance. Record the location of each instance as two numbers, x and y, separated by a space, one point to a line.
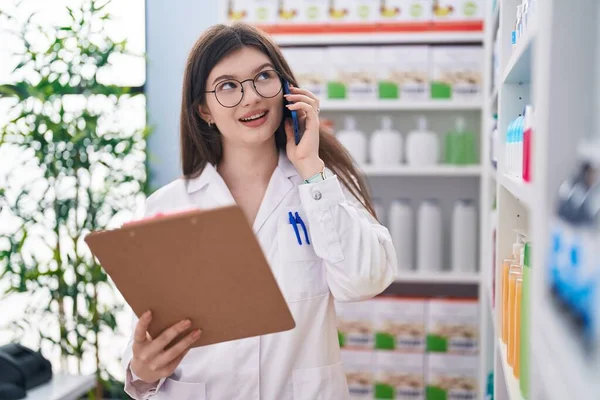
205 114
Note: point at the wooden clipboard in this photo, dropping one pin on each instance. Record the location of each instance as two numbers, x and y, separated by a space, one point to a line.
205 265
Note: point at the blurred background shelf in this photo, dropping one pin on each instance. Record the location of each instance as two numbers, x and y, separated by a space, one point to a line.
319 39
439 277
395 105
437 170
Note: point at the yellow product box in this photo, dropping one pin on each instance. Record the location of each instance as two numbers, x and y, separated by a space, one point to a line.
452 326
456 72
399 376
400 324
355 324
451 377
303 11
403 72
352 73
360 374
309 66
457 10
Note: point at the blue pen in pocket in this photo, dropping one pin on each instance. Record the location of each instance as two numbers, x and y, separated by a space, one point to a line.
294 220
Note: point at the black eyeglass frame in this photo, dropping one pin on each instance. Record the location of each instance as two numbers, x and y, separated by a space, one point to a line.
242 87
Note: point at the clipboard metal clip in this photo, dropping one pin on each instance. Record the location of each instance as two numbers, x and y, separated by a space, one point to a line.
295 220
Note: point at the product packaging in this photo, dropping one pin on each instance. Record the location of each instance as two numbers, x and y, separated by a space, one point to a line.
359 367
458 11
403 72
405 14
311 13
456 72
258 12
308 65
451 377
399 376
352 80
452 326
356 12
399 324
355 324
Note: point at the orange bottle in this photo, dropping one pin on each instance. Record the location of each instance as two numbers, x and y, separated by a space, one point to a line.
514 273
505 269
518 295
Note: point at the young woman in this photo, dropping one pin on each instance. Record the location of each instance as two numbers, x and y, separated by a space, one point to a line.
237 147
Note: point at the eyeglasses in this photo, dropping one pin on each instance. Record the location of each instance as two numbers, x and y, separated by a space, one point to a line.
230 92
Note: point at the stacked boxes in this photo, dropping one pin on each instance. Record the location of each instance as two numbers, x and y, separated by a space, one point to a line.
375 14
390 72
401 348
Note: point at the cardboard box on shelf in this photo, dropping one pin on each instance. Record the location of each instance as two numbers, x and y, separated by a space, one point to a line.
309 68
355 325
451 377
399 324
304 12
360 374
399 376
258 12
405 13
457 10
403 72
352 73
452 326
456 72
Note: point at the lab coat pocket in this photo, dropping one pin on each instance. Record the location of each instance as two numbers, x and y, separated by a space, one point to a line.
321 383
302 274
173 389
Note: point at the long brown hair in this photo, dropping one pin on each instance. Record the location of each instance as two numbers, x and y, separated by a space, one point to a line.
201 143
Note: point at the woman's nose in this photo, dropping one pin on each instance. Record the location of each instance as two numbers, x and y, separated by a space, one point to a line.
250 94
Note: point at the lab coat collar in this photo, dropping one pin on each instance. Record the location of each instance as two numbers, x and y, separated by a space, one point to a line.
210 174
279 186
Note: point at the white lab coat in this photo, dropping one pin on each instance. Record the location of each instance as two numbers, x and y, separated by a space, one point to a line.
351 258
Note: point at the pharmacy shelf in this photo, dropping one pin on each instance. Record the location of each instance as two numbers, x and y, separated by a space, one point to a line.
496 17
518 68
493 173
519 189
443 277
436 170
489 306
396 105
320 39
512 384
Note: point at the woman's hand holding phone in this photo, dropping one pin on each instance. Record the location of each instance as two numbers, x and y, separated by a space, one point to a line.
151 360
304 155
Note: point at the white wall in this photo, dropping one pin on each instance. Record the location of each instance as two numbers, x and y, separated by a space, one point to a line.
171 30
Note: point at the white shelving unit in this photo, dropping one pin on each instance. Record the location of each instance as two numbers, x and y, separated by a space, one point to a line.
555 67
393 105
403 170
320 39
445 278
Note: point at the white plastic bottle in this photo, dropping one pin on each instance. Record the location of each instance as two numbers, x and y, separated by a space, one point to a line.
429 237
353 140
386 145
422 146
401 225
464 237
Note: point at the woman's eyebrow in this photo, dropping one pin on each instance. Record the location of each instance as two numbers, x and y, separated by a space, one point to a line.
254 71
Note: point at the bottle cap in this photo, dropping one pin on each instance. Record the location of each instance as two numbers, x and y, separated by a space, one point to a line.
386 123
422 123
350 123
460 124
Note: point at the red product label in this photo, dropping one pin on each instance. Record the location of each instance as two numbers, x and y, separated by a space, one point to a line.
527 155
